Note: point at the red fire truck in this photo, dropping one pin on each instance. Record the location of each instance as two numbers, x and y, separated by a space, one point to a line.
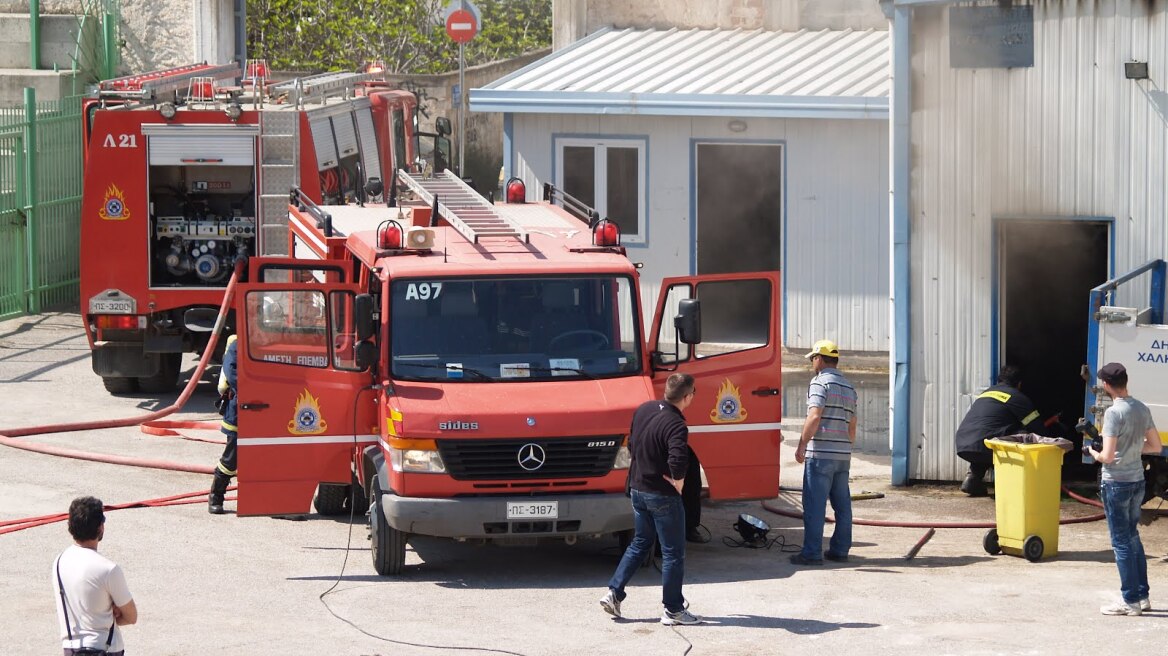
188 168
473 376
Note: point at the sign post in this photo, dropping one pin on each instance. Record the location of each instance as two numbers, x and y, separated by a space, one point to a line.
462 24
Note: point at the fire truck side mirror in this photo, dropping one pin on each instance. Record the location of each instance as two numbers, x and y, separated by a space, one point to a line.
363 316
688 321
365 354
442 125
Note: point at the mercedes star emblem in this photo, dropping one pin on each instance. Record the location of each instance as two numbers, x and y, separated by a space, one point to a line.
532 456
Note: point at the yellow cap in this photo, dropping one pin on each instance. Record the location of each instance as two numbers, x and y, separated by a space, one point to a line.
824 347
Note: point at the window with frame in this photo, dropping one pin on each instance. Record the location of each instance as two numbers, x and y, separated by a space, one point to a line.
609 176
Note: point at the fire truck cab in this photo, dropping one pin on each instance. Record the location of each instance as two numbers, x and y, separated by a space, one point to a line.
469 370
187 170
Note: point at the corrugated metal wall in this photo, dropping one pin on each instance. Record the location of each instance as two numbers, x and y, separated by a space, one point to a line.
1069 137
836 266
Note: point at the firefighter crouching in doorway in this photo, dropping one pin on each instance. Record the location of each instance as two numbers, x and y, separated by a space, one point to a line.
1000 410
225 468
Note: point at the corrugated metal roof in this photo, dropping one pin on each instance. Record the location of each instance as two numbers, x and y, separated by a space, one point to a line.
825 73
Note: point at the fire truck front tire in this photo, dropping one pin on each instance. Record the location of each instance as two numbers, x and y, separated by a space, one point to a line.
119 385
388 544
165 380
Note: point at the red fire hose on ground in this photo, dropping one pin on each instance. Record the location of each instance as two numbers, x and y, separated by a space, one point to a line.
150 424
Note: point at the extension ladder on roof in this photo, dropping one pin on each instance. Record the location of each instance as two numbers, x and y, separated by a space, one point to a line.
469 213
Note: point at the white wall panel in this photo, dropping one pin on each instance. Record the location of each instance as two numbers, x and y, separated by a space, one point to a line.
836 210
1069 137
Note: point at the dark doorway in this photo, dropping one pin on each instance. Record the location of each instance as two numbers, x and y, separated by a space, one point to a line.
740 208
739 219
1046 269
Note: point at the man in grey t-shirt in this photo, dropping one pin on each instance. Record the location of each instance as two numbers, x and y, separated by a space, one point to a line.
1128 432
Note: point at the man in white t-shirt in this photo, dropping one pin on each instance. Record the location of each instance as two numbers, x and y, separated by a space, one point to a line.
92 596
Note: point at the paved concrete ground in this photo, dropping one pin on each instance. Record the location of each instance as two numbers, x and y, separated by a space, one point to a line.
227 585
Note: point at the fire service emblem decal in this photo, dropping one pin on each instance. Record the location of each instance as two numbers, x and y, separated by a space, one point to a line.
113 208
306 419
728 409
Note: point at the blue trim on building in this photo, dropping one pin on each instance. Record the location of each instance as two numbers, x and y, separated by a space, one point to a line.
508 146
901 137
683 104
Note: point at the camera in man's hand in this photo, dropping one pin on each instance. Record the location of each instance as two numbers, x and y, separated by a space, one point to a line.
1087 430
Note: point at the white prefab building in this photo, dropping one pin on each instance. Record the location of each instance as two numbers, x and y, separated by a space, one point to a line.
720 151
1029 165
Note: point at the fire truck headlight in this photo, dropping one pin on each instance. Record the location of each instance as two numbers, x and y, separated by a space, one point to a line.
168 110
417 460
623 458
234 111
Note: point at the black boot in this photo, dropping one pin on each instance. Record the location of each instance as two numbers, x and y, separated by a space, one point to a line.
218 489
974 486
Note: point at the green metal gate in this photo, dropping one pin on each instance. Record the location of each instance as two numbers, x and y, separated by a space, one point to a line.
40 204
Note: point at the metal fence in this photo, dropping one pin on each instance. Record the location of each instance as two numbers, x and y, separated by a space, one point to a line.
40 204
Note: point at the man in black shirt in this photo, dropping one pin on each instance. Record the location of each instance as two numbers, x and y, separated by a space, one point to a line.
1000 410
658 443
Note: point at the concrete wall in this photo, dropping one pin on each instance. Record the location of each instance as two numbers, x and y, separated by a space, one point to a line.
160 33
836 192
575 19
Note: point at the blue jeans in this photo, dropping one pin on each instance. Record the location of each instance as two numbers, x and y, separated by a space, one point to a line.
1121 502
825 480
663 516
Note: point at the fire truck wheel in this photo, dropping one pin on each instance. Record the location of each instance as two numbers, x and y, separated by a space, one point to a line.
389 544
118 385
330 498
165 380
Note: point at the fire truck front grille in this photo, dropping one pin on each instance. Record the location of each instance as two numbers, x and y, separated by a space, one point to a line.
567 457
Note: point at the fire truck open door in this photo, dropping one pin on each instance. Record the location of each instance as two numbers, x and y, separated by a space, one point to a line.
735 416
304 405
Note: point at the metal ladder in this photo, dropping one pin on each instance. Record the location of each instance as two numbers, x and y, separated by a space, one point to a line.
468 212
320 86
149 85
279 172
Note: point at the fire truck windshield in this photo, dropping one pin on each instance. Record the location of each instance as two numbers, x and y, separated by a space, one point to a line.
514 329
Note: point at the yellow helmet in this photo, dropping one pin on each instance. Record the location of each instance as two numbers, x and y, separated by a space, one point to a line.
824 347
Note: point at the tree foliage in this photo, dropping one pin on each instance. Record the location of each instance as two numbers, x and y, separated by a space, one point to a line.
408 35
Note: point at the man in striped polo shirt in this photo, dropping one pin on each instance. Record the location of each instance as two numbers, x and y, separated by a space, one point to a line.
825 451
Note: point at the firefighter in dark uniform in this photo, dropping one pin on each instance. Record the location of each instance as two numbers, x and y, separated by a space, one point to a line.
225 468
1000 410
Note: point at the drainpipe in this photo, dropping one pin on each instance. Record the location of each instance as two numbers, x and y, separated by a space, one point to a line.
109 38
901 138
34 37
31 203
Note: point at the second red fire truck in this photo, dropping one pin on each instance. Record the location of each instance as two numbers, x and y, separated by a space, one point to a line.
189 168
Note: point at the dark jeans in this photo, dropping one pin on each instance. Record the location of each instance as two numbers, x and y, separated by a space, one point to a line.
1121 502
664 516
826 480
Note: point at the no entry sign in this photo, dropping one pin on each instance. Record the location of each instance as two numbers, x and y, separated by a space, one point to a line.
461 26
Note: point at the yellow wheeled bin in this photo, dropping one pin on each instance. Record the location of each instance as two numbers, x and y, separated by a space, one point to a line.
1026 490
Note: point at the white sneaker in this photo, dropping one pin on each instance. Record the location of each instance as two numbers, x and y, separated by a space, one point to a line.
680 617
1122 608
1145 604
610 604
